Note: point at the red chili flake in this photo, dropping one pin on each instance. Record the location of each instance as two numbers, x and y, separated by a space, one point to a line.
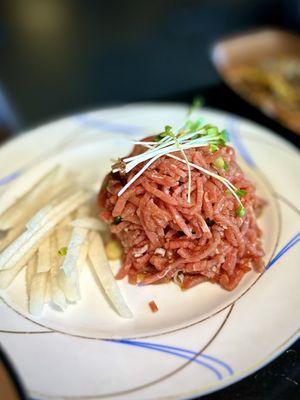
153 306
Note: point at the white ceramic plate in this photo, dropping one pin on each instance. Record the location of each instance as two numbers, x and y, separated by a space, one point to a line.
200 340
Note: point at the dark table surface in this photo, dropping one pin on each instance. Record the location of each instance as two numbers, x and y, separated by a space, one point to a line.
281 378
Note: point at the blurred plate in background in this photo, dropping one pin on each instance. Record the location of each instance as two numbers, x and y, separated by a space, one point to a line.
263 67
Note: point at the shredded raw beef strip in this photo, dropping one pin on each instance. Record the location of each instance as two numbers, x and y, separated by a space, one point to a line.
163 235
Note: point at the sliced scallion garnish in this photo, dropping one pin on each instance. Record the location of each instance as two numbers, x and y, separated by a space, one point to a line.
241 192
224 137
62 251
117 220
212 148
220 163
240 211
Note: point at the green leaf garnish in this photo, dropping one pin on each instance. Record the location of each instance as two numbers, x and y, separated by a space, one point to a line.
241 192
212 148
220 163
191 135
193 126
117 220
62 251
158 137
168 130
240 211
224 137
212 131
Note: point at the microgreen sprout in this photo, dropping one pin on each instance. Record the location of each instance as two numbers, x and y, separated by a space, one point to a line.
193 134
212 131
241 192
198 102
224 138
240 211
193 126
158 137
212 148
168 129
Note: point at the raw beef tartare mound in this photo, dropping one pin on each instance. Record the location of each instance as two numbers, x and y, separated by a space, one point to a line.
176 222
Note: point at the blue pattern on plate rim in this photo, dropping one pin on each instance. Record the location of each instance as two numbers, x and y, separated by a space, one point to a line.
10 177
192 355
92 123
107 125
186 354
285 248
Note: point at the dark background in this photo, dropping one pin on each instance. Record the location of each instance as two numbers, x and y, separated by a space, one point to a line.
64 56
61 56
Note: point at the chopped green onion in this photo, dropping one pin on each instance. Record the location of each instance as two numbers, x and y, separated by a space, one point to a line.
212 148
62 251
117 220
240 211
220 163
224 137
241 192
212 131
